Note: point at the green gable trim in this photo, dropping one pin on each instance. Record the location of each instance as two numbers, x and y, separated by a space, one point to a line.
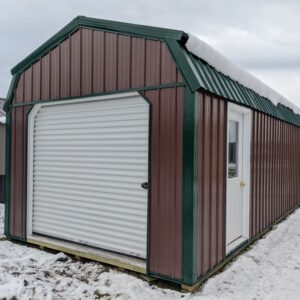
10 93
113 26
183 63
219 84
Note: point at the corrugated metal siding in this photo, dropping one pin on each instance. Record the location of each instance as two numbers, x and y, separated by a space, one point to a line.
219 84
212 136
275 170
166 173
77 66
165 254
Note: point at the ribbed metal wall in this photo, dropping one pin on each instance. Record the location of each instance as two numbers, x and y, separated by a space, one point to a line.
212 136
275 170
92 61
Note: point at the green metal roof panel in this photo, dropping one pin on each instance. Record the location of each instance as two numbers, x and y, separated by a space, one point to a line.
217 83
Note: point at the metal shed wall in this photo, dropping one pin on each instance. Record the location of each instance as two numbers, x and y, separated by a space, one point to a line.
91 62
275 171
212 137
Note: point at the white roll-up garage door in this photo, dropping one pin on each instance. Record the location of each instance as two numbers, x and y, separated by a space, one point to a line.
88 160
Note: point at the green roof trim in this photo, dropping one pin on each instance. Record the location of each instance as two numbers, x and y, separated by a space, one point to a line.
217 83
196 72
113 26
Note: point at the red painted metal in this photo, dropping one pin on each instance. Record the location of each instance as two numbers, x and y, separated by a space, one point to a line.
275 169
211 181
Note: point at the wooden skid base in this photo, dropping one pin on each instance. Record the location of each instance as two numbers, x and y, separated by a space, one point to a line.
79 251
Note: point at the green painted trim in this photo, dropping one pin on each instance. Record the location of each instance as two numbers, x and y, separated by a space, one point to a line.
147 88
189 199
8 172
113 26
184 64
10 93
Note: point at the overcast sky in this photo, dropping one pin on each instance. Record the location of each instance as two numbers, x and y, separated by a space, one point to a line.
260 36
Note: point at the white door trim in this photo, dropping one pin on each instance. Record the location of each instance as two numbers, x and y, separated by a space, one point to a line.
30 131
245 174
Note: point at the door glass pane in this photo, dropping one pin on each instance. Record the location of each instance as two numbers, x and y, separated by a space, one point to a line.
233 145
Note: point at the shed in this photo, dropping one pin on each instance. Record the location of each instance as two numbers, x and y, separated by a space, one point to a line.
2 151
144 148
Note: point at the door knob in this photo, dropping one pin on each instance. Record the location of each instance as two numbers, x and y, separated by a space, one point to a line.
145 185
242 183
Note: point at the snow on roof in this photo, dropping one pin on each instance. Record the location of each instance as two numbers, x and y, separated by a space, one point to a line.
2 112
221 63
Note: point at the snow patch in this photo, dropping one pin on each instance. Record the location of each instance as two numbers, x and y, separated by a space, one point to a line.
1 219
269 270
221 63
2 120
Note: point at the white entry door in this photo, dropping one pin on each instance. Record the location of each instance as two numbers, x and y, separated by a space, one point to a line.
238 162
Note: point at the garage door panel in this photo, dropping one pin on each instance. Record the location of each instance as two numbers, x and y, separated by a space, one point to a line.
89 159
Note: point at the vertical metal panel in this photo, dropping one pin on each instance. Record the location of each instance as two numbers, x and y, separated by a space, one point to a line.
76 64
45 77
166 192
28 85
153 62
168 69
55 73
109 70
124 62
65 68
87 62
98 61
111 63
138 53
211 181
36 81
274 186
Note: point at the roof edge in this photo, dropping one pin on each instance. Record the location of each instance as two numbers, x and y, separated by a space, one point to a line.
115 26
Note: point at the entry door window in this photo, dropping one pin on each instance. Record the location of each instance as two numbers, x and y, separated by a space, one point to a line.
233 145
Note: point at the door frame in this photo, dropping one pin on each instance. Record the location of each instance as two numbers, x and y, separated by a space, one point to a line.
246 144
30 139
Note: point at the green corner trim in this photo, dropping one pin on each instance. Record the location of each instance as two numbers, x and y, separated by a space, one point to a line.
189 199
182 60
10 93
113 26
7 171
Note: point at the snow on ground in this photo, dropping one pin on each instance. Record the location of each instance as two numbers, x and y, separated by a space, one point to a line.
269 270
1 219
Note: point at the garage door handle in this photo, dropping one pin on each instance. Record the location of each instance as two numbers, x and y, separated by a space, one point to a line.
145 185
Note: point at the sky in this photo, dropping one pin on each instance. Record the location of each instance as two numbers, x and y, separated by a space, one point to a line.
262 37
